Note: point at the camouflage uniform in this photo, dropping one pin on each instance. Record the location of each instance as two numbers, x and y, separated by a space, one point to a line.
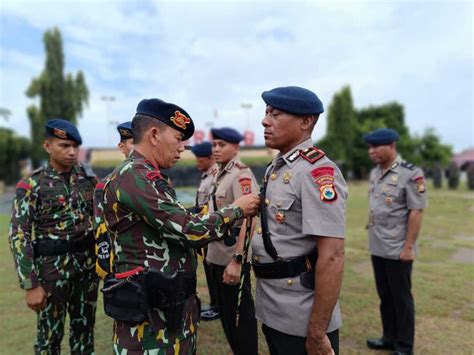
103 250
49 208
149 227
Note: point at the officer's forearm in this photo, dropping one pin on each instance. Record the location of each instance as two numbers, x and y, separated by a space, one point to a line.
413 228
328 279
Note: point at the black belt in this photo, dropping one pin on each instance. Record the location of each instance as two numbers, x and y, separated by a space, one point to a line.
50 247
285 267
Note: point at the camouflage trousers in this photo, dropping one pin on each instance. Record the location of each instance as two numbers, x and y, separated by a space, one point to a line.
77 297
183 347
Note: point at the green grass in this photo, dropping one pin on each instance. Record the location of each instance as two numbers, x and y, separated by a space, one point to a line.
443 286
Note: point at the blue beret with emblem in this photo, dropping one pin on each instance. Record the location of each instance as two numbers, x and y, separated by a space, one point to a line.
227 134
62 129
381 136
125 130
202 149
168 113
294 100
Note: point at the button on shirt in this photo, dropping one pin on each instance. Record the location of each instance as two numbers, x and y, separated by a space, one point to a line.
296 212
392 194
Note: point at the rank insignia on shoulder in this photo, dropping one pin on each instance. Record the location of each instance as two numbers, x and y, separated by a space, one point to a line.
420 184
153 174
312 154
324 178
246 185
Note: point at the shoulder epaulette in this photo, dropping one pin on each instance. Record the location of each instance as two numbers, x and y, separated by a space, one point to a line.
407 165
241 165
312 154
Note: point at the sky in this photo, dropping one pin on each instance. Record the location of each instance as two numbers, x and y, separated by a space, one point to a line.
215 59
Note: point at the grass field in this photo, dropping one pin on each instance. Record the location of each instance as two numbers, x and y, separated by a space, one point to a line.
442 278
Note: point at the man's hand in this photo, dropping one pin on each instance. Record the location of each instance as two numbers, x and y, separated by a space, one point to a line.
318 345
249 204
232 272
36 298
408 254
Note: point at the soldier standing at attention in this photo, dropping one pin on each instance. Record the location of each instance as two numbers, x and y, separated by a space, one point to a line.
397 198
206 164
225 258
152 294
52 241
299 258
103 249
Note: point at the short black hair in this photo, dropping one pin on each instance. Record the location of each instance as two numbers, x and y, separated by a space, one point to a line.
142 123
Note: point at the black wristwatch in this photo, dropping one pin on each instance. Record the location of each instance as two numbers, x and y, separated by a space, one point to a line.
238 258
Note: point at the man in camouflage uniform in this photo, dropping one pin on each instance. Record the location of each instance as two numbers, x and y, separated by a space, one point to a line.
51 238
299 257
206 164
103 250
397 198
151 230
226 260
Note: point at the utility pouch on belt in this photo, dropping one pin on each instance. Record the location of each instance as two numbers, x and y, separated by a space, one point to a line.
169 293
124 297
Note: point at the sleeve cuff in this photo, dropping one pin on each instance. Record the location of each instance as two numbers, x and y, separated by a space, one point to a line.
27 284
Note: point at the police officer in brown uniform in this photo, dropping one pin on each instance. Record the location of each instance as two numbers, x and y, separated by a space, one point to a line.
397 198
298 259
226 260
206 164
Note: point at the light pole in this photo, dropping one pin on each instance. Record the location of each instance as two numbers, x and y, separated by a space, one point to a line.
108 100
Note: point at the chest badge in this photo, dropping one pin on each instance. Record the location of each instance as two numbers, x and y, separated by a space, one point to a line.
273 176
388 201
287 177
280 217
394 178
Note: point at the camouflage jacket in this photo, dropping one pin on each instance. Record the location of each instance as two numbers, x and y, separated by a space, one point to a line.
46 207
149 227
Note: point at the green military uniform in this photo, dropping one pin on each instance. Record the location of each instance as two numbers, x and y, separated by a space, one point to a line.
103 250
150 228
51 238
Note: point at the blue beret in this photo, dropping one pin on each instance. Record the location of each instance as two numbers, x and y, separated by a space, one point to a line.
125 130
62 129
294 100
202 150
381 136
227 134
170 114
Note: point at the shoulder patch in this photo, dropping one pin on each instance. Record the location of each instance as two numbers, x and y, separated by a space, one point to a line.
420 184
312 154
324 179
100 185
246 185
407 165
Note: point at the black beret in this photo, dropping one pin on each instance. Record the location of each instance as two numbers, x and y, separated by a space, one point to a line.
294 100
227 134
62 129
202 149
381 136
125 130
168 113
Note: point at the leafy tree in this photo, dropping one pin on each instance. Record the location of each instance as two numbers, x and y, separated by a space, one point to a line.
13 148
60 96
429 151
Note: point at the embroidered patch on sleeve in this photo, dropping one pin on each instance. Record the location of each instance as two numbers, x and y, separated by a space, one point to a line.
324 179
246 185
420 184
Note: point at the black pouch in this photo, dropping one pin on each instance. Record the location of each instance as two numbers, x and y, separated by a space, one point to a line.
307 279
124 300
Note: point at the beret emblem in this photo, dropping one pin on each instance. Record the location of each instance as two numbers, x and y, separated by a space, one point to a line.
60 133
124 132
180 120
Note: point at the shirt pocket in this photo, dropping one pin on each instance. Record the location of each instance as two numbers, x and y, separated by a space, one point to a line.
280 209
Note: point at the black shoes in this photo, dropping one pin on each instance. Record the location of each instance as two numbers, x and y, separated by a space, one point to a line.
380 344
209 314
